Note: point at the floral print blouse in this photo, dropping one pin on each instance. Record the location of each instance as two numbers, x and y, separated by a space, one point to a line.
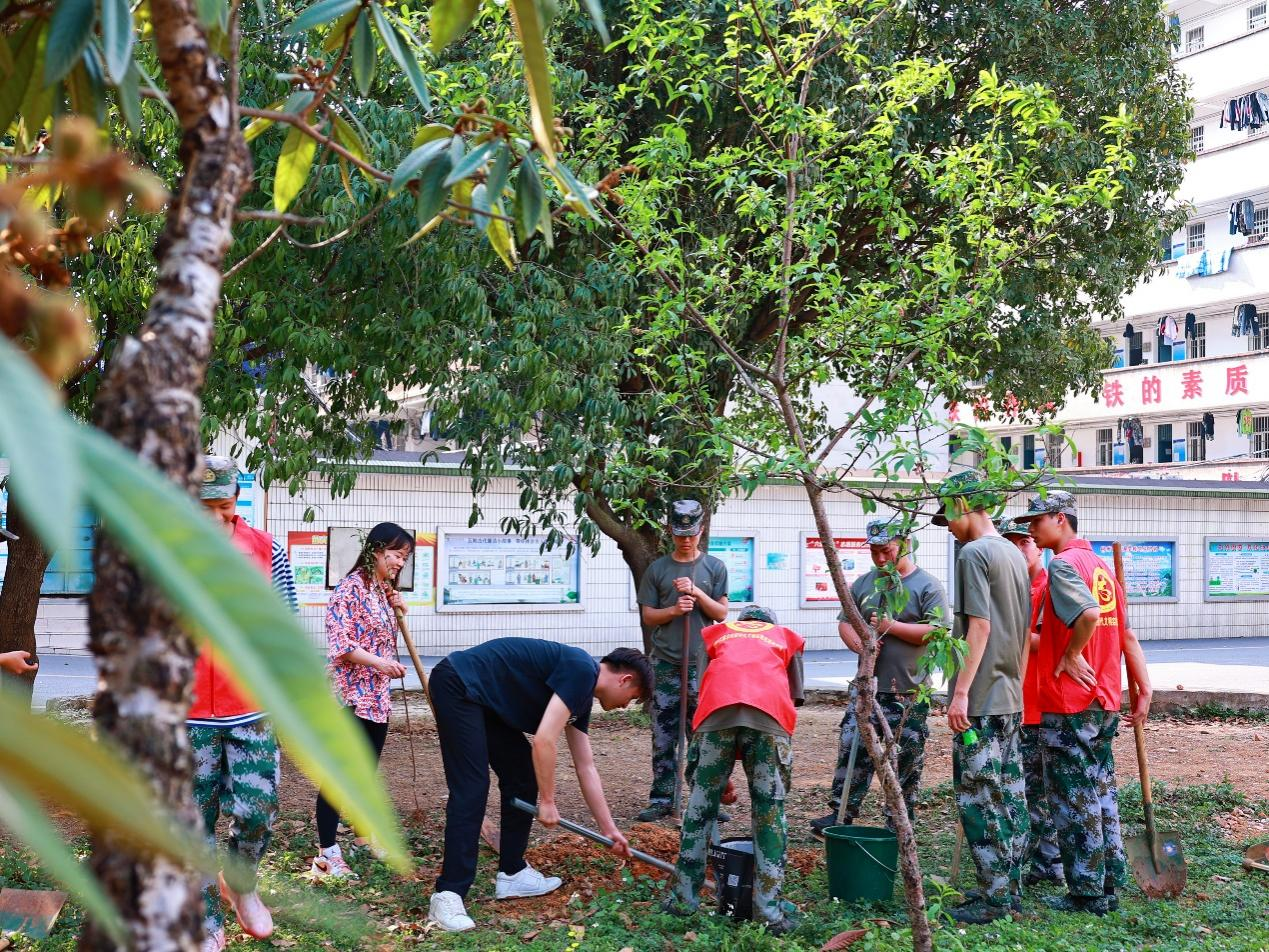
360 616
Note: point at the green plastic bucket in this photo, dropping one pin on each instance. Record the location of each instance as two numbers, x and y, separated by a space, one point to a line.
861 862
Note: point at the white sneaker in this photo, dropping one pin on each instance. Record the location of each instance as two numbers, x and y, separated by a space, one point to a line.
528 882
330 867
447 911
214 941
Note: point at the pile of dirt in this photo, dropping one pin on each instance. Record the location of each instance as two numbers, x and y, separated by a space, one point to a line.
805 859
1242 824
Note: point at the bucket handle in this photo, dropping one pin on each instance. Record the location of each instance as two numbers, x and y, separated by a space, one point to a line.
888 869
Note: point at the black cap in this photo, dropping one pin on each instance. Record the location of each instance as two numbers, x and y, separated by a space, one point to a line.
686 517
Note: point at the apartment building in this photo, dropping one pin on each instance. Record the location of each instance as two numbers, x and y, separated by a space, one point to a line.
1187 395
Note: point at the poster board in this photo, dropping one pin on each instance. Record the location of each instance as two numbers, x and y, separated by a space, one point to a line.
311 562
816 585
490 571
1149 567
343 545
1235 569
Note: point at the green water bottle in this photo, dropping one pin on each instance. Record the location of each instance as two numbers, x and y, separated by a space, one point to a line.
969 738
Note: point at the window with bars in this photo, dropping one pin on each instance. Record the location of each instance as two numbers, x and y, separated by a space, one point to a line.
1197 135
1195 237
1256 16
1105 446
1260 221
1259 340
1195 444
1194 40
1163 443
1260 437
1196 346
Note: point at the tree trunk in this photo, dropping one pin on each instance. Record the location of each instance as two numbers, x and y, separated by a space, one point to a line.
866 705
639 548
20 598
149 401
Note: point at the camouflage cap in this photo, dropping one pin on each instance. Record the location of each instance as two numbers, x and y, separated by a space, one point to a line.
970 486
686 517
220 478
883 531
1011 527
1055 501
758 613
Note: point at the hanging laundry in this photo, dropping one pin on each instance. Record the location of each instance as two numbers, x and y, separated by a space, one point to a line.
1245 423
1249 111
1242 217
1209 426
1127 330
1191 326
1246 321
1168 330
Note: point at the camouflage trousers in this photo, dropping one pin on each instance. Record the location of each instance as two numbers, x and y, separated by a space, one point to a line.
235 774
991 796
911 744
665 725
1043 855
768 763
1080 771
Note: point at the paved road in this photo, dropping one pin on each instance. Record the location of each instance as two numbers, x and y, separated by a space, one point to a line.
1239 665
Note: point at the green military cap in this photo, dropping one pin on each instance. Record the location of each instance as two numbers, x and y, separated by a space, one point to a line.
883 531
970 486
1055 501
758 613
686 517
1011 527
220 478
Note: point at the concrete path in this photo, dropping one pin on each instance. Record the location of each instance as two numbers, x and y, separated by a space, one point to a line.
1235 666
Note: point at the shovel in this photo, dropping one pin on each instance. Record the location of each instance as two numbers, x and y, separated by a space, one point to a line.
1257 857
1156 860
599 838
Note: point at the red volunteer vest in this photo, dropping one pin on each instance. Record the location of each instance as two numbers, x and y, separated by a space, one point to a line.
1104 650
748 664
214 693
1031 680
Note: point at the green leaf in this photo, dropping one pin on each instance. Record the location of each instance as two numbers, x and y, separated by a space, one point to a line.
24 815
230 604
537 75
258 125
25 46
530 198
497 178
298 101
364 55
86 96
576 193
415 161
339 32
480 202
294 164
403 55
116 36
210 12
159 96
450 20
129 96
347 136
474 160
597 17
68 32
433 189
34 435
321 12
499 235
430 132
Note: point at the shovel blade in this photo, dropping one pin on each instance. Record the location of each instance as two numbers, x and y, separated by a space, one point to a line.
1158 867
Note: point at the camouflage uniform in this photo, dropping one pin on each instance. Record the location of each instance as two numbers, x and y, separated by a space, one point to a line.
992 799
768 763
1080 771
235 773
665 725
916 731
1043 855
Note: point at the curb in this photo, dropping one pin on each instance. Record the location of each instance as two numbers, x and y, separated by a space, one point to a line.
1164 702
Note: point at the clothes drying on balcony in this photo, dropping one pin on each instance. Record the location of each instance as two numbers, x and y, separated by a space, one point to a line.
1250 111
1246 321
1200 264
1242 217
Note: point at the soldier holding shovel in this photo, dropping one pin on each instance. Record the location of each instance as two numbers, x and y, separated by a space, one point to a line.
680 594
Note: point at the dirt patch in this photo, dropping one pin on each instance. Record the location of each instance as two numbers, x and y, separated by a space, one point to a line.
1242 825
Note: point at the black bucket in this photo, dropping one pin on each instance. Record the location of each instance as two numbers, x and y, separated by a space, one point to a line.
732 861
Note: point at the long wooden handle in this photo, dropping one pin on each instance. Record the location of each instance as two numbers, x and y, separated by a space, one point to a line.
404 628
1138 732
590 834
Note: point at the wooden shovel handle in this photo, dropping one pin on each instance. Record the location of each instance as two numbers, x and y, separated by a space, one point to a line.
404 628
1138 732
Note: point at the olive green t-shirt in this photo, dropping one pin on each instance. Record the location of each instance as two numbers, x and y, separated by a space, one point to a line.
657 591
1070 594
992 583
926 605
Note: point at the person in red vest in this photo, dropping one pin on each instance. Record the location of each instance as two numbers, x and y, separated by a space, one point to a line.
746 711
236 759
1084 637
1043 858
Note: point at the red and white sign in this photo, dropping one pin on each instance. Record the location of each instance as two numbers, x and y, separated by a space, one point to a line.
817 584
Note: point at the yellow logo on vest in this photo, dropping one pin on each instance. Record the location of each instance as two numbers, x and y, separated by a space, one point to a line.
1104 590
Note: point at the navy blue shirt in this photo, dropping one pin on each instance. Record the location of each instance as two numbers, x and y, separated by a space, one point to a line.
515 678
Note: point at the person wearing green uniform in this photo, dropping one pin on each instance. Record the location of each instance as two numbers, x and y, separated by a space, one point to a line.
992 614
902 643
685 583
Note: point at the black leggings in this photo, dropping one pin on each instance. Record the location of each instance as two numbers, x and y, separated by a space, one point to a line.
327 816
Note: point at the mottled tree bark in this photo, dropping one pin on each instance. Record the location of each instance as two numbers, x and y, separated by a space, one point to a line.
149 401
20 598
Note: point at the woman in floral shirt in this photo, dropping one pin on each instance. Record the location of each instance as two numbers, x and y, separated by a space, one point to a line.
361 639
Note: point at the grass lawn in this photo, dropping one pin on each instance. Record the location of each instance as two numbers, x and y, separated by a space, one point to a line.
604 907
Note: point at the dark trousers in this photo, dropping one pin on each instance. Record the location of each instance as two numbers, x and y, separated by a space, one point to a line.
474 739
327 815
